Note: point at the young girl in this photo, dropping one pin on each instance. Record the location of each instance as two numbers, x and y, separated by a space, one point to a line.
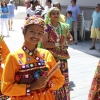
56 41
26 70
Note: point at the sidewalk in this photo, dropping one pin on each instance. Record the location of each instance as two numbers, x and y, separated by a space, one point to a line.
82 63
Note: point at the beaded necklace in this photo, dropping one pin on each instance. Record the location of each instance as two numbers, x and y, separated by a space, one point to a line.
58 31
40 62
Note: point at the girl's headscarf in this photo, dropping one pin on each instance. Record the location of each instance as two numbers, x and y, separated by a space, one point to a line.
47 19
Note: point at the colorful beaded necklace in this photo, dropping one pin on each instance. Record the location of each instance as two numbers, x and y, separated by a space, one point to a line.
40 62
58 31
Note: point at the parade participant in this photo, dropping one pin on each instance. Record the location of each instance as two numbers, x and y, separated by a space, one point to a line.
55 42
62 17
4 51
29 67
94 93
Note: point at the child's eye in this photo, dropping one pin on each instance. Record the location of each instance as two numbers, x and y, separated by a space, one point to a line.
39 33
31 31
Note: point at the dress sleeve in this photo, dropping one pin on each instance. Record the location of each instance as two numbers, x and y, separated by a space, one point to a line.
8 85
57 79
5 50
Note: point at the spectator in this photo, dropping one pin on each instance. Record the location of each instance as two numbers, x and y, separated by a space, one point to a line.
69 19
0 12
43 3
48 6
11 15
27 3
35 6
62 17
4 16
74 8
95 26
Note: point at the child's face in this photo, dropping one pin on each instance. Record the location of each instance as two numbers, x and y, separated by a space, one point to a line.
55 15
34 34
68 15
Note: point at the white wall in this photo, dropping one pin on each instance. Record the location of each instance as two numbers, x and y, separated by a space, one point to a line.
80 2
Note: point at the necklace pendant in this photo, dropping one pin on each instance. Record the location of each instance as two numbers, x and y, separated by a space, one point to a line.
30 53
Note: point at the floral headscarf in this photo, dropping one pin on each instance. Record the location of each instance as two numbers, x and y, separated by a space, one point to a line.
35 20
47 19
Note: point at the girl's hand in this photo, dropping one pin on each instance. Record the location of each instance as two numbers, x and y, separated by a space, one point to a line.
62 40
40 83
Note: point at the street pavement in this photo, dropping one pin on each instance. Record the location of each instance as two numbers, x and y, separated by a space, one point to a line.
82 62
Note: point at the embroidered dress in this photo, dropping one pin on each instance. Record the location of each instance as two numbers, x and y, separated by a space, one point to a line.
4 51
94 93
60 54
25 68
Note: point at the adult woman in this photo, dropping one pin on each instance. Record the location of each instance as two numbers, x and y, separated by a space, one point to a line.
4 51
29 67
55 42
4 16
94 93
62 17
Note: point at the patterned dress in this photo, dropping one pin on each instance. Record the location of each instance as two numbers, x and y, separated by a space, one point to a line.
60 54
94 93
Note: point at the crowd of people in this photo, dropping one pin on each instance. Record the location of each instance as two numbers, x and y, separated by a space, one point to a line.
29 73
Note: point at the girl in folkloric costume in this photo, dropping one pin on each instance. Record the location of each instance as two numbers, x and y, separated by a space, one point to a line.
55 40
29 67
4 51
94 93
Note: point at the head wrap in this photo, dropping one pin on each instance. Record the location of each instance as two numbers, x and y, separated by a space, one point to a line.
34 20
47 19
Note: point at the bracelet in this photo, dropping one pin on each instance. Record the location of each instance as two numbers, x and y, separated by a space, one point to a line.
57 44
66 43
50 84
28 90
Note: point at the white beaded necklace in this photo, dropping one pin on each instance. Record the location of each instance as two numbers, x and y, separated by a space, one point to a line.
57 28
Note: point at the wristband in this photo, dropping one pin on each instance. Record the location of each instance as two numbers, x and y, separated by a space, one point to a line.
50 84
28 90
57 44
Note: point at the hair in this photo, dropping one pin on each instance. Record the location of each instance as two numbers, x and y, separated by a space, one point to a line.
98 5
69 12
2 3
24 30
38 12
50 1
54 10
33 2
74 1
57 3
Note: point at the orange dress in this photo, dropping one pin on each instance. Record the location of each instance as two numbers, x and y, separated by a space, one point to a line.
4 51
24 67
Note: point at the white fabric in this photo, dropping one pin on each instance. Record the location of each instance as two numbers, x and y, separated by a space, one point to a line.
30 12
4 21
